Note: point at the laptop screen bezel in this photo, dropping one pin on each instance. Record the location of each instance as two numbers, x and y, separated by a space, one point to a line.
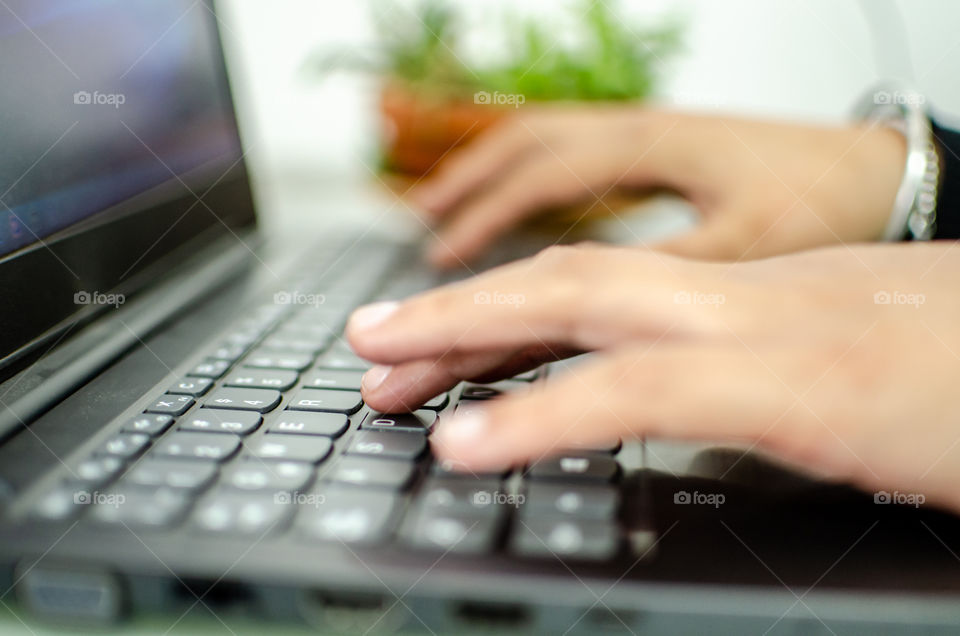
126 249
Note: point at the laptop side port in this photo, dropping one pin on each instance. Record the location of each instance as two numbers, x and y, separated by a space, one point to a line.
492 614
344 611
76 595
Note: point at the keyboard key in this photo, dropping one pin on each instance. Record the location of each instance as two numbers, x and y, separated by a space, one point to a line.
421 421
260 400
96 471
586 466
565 538
364 471
124 445
132 506
171 473
62 503
392 444
333 379
575 500
221 421
264 359
256 474
194 387
350 515
293 344
170 405
529 376
460 534
314 330
297 448
267 379
453 469
208 446
326 400
210 369
148 424
473 391
339 359
235 512
478 497
438 403
231 352
309 423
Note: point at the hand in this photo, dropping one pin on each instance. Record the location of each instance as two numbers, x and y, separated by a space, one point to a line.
762 188
856 379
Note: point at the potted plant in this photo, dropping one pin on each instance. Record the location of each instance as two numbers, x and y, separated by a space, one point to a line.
432 100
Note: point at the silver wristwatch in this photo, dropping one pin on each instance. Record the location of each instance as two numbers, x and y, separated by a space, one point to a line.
915 209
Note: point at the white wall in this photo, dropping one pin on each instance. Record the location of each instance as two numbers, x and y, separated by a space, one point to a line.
784 58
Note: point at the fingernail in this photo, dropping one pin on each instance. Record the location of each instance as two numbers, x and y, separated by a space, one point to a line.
375 377
370 316
463 429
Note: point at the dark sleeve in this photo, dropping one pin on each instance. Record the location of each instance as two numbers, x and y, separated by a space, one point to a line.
948 199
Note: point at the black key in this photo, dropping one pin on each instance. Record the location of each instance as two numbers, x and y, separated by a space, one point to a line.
565 538
231 352
308 423
260 400
575 500
210 369
421 421
256 474
96 471
170 405
208 446
477 497
585 466
266 379
194 387
171 473
264 359
486 391
339 359
438 403
333 379
133 506
234 512
221 421
297 448
432 529
148 424
392 444
364 471
452 469
350 515
293 344
326 400
124 445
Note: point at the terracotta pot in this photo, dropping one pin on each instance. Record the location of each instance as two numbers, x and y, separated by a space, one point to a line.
420 128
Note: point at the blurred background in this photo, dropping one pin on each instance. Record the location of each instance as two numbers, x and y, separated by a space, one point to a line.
309 132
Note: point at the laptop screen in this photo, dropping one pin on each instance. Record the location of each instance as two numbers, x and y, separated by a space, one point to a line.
118 147
101 100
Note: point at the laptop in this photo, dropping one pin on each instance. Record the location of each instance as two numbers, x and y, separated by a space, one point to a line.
181 425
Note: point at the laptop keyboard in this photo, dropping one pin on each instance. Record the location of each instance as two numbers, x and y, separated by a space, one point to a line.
267 434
